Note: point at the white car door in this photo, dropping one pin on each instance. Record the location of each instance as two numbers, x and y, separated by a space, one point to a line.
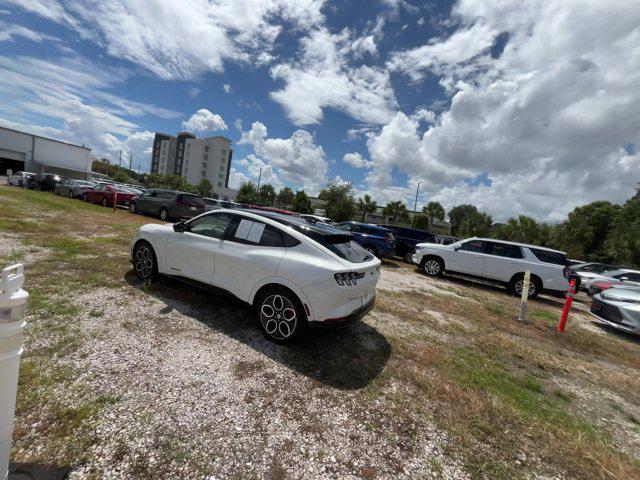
251 252
467 258
503 261
191 253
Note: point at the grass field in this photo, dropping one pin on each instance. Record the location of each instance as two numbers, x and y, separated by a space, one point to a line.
131 380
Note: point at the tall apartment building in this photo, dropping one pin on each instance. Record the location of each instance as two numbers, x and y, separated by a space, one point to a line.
194 159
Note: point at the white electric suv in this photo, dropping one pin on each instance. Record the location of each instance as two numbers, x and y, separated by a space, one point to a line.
497 261
293 273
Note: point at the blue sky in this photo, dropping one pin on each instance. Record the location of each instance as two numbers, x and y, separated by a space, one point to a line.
516 107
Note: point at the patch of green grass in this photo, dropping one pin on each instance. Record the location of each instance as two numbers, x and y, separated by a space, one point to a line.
68 246
562 395
494 309
545 315
436 466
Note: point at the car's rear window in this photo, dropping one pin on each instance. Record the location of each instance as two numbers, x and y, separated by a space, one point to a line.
191 199
350 251
550 257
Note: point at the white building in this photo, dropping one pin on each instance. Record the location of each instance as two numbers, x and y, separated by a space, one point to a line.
21 151
195 159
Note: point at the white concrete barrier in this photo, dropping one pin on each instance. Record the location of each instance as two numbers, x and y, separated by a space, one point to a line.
13 300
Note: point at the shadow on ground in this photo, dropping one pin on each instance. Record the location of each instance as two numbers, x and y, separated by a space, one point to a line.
347 359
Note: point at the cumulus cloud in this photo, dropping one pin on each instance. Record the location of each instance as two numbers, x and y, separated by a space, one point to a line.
298 159
355 160
181 39
204 121
545 119
324 77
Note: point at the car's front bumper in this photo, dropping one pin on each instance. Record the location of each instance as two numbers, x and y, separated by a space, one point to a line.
336 323
620 315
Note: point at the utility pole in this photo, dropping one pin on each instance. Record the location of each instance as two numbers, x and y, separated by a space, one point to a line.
130 160
415 204
138 173
120 161
258 189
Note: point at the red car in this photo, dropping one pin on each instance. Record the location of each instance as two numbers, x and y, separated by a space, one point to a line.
105 194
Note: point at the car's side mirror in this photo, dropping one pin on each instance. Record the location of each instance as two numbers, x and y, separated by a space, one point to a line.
179 227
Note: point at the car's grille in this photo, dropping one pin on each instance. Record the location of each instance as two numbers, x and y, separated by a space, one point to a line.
606 311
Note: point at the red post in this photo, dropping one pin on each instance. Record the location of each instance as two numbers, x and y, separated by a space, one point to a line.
567 305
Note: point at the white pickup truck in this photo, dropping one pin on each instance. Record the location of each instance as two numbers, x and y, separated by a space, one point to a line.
497 261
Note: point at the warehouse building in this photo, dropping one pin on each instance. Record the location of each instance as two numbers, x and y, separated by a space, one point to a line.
22 151
195 159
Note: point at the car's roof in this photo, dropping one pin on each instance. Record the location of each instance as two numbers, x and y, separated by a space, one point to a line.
509 242
298 223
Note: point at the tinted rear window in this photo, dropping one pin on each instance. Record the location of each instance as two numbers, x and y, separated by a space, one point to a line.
191 199
550 257
350 251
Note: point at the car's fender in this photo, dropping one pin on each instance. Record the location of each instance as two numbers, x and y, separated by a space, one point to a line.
158 242
285 282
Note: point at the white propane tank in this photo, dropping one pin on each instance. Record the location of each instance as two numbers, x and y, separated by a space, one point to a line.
13 300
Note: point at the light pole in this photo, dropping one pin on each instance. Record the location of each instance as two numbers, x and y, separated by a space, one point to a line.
415 204
258 189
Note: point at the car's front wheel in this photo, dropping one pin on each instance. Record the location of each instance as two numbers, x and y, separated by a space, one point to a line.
408 257
132 207
164 214
517 285
432 266
85 197
281 316
71 194
104 201
144 261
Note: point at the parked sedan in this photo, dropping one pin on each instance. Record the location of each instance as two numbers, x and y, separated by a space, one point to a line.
73 188
105 195
294 274
44 181
20 179
407 239
598 286
167 204
624 275
619 308
377 240
586 271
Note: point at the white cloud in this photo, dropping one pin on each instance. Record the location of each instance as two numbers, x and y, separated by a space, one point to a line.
324 77
226 87
71 96
8 33
545 119
204 121
355 160
298 159
181 39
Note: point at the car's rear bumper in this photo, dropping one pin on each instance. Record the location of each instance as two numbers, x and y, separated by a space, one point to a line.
337 323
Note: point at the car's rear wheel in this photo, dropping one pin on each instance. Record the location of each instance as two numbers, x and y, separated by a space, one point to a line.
132 207
408 257
144 261
164 214
104 201
56 191
85 197
70 193
432 266
281 316
517 284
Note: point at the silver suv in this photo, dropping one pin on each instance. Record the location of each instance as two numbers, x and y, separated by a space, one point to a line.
167 204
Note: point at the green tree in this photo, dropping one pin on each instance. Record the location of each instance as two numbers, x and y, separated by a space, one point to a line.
397 211
205 187
301 203
524 229
366 205
421 221
121 177
623 244
584 233
338 196
434 211
475 224
285 198
457 214
247 193
266 195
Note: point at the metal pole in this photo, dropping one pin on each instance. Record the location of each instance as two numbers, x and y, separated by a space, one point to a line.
13 301
415 204
258 189
525 295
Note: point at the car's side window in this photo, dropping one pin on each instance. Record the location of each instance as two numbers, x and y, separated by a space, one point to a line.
632 277
472 246
503 250
214 225
346 227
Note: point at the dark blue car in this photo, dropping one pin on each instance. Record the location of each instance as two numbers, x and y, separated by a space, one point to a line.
377 240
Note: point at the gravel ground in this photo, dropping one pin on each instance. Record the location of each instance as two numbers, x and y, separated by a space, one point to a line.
202 395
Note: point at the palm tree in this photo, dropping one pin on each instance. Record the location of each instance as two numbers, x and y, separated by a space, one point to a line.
434 211
367 205
396 210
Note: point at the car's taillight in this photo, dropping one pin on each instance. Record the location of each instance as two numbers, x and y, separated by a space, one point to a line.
348 278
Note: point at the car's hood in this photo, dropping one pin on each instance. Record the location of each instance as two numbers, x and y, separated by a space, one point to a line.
437 246
157 228
621 294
